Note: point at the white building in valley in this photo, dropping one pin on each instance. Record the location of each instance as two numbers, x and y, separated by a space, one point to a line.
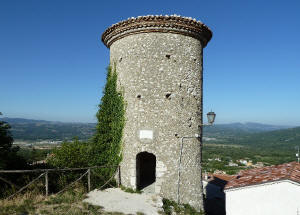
273 190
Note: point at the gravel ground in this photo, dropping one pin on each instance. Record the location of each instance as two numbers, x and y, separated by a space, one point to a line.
116 200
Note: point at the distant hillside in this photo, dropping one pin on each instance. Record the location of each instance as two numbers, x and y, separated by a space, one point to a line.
238 129
280 139
251 134
29 129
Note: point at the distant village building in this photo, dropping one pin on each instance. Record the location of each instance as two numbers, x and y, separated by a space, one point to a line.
249 163
231 163
244 162
219 172
273 190
218 159
258 164
159 64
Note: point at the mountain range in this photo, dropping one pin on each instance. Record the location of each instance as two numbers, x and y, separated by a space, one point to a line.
35 130
239 129
249 134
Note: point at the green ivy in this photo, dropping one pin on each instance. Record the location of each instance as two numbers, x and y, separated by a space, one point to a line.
109 130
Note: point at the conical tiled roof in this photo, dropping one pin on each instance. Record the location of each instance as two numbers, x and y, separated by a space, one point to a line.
157 23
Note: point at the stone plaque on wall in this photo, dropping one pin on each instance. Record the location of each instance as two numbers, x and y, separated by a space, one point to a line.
146 134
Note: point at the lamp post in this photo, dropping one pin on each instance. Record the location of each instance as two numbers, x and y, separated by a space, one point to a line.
210 118
297 154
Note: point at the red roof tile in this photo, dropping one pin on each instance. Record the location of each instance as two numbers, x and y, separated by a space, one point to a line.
254 176
218 179
224 177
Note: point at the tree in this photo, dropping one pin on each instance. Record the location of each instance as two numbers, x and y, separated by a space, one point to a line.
8 154
6 138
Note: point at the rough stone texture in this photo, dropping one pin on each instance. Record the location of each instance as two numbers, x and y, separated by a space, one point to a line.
160 74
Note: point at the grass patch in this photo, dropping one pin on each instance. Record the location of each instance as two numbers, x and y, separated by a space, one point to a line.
170 207
114 213
20 204
130 190
69 197
67 203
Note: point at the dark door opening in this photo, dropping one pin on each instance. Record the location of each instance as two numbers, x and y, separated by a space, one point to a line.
145 169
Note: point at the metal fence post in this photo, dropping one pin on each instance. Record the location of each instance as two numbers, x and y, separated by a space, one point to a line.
46 183
119 176
89 179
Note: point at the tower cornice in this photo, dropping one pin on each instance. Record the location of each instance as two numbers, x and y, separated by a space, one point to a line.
159 23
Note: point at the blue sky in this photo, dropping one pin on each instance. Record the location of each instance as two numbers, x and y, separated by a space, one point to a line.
52 60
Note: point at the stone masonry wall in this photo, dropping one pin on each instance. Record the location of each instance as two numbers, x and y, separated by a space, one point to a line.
161 76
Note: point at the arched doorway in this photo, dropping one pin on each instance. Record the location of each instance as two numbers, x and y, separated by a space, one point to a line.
145 169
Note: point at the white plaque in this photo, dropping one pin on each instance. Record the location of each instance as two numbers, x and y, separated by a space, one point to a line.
146 134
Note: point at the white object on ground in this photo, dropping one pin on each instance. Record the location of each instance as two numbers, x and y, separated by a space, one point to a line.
116 200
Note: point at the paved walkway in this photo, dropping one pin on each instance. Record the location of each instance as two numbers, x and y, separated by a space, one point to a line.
116 200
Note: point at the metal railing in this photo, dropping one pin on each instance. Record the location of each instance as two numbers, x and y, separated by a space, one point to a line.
45 173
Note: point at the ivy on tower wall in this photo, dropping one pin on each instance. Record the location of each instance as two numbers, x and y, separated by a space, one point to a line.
111 119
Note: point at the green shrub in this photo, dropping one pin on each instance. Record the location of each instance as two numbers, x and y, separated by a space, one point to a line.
72 155
130 190
170 207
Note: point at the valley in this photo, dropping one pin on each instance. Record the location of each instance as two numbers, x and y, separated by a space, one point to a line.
227 148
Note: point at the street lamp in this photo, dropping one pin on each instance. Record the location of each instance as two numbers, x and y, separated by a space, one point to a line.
210 118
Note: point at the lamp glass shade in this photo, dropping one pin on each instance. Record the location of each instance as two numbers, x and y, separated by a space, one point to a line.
211 117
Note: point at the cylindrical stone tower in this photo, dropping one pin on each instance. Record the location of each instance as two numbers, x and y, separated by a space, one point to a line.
159 64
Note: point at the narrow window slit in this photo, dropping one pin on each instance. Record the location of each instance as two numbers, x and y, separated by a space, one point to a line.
168 96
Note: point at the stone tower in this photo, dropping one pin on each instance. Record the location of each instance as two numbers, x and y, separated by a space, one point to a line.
159 64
